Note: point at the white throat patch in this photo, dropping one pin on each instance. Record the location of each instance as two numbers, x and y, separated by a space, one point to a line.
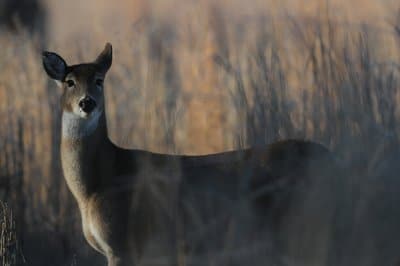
76 127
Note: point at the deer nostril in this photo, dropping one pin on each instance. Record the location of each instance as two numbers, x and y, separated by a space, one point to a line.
87 104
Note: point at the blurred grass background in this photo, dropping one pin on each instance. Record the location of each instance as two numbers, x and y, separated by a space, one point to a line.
192 77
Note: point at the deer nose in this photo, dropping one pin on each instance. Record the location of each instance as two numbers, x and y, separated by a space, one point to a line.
87 104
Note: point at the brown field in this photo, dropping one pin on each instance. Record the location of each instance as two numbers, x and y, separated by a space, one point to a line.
199 77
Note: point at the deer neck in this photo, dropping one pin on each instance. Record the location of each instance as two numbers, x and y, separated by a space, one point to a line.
82 143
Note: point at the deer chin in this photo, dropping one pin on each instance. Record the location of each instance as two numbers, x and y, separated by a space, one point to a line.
77 126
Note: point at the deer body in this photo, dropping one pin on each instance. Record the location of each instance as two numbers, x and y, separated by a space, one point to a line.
134 202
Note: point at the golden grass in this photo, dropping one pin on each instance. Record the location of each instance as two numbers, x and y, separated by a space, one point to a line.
197 78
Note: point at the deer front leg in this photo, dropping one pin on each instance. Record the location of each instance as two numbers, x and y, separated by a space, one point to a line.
117 261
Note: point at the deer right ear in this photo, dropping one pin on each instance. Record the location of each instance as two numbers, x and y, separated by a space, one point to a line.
54 65
104 60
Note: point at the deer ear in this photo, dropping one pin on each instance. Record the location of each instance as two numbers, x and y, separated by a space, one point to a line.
104 60
54 65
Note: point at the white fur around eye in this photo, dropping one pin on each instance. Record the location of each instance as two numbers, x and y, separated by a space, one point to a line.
70 82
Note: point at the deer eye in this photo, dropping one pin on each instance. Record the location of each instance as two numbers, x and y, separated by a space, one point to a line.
99 82
70 83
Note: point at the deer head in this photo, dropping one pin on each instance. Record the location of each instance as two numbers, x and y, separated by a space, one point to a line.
82 99
82 84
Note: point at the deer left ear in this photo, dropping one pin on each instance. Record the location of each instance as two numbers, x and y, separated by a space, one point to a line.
54 65
104 60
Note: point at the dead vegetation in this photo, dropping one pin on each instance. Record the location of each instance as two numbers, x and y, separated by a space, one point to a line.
200 83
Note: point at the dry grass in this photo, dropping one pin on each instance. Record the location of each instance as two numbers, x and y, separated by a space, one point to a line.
212 78
8 238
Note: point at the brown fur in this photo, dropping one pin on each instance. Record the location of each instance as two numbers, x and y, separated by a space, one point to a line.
136 204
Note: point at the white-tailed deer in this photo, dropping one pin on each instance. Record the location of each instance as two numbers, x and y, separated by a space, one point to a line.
136 204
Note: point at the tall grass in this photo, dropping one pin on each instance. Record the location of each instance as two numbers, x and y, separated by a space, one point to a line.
8 240
214 84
